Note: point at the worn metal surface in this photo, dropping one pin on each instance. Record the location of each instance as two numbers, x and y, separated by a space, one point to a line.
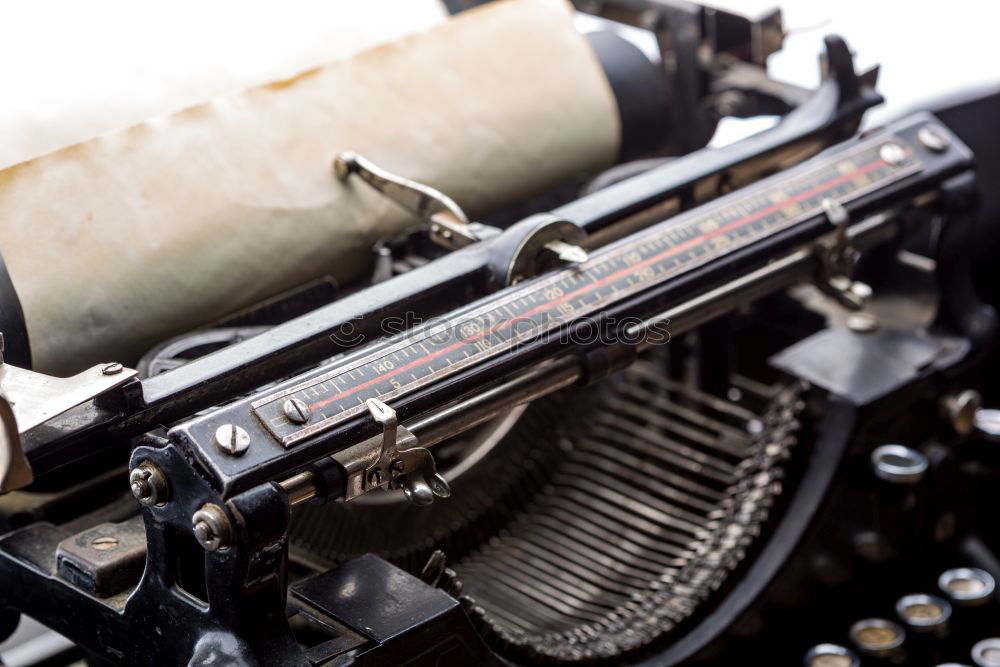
106 559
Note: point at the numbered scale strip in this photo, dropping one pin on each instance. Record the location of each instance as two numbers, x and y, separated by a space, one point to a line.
542 307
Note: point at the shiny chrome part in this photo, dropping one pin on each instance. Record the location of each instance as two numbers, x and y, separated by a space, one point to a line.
986 653
296 410
299 488
837 257
967 586
876 636
550 234
449 225
149 484
568 252
923 612
933 139
28 399
393 459
961 410
987 423
777 274
211 528
232 439
421 200
830 655
892 154
898 464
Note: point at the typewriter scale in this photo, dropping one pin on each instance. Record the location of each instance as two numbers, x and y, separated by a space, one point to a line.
607 278
536 336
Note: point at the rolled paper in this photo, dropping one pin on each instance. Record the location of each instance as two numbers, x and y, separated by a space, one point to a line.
119 242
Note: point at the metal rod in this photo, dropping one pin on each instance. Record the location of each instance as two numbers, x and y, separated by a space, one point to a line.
300 488
464 414
770 278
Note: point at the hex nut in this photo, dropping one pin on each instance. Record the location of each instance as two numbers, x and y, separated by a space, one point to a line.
211 528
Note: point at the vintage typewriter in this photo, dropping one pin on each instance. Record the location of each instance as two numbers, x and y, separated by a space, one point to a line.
708 406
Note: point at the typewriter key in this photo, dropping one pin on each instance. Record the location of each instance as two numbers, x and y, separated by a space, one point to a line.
967 585
987 653
876 636
831 655
923 612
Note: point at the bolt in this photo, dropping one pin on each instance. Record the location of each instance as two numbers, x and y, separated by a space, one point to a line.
375 478
211 528
892 154
232 439
933 139
961 409
104 543
113 369
296 410
149 485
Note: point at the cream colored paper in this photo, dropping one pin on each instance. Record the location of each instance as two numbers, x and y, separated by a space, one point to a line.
122 241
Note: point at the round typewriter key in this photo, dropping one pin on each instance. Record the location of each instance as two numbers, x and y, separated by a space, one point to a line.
876 636
987 653
967 585
923 612
899 464
830 655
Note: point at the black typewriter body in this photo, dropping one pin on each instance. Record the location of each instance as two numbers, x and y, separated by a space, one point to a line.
717 407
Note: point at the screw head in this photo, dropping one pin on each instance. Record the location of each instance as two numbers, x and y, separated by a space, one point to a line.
933 139
398 467
296 410
104 543
113 369
892 154
232 439
148 484
211 528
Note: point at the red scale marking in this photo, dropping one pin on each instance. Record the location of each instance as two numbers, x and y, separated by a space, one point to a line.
674 250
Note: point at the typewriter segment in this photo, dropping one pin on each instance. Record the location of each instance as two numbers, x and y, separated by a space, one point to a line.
624 522
471 349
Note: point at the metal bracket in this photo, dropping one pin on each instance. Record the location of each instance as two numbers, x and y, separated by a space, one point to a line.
28 399
837 257
393 460
449 225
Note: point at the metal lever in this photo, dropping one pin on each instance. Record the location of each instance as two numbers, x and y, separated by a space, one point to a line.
392 459
837 256
28 399
449 225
